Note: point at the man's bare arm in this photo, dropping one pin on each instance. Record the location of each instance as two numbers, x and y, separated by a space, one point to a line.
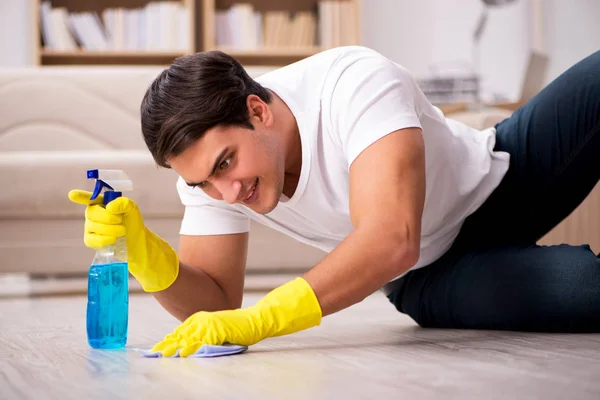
211 275
387 194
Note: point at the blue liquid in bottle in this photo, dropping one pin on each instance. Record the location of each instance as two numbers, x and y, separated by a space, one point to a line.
108 301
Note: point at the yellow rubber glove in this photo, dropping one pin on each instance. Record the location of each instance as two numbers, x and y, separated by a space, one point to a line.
151 260
289 308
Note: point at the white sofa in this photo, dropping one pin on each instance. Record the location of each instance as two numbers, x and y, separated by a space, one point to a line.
58 122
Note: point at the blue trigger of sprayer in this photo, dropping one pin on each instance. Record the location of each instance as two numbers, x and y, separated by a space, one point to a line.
100 184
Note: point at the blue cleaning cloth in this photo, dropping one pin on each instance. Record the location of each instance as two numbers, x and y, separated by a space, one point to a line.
207 350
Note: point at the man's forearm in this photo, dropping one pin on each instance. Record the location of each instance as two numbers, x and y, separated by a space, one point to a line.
359 266
192 291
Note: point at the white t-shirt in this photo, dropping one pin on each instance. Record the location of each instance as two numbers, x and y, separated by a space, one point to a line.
344 100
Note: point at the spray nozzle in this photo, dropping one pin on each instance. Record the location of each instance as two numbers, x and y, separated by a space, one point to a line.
113 181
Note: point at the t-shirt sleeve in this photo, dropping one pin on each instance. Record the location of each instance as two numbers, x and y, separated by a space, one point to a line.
206 216
372 98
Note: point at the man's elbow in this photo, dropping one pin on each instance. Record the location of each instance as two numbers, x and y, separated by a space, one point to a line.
405 249
411 255
396 246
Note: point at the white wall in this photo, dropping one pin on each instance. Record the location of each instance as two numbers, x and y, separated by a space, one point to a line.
424 34
571 31
420 34
15 33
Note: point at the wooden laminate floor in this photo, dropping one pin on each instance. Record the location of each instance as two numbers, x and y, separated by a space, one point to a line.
366 352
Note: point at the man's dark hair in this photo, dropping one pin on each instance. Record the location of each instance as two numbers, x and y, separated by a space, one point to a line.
196 93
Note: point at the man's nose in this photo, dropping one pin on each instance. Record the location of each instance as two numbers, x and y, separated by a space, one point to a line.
230 190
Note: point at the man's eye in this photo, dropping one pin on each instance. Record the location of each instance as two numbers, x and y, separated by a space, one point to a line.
225 163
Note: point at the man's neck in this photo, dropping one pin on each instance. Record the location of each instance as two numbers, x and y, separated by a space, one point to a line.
290 184
293 166
288 126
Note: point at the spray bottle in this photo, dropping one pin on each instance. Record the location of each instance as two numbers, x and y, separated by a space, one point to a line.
108 291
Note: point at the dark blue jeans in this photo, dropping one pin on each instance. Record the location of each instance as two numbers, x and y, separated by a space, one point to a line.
495 276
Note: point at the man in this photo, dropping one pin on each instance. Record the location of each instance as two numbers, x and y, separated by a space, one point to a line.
344 152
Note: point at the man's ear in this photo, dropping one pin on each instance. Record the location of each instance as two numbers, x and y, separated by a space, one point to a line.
259 110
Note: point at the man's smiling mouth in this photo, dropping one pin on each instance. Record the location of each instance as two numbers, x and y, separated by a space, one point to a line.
251 196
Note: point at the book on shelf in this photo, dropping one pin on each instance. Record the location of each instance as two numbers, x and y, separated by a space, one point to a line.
241 27
337 23
159 26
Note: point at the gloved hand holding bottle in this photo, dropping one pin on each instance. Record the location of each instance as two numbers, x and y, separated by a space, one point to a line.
152 261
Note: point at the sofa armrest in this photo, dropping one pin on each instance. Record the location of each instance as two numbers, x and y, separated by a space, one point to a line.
35 184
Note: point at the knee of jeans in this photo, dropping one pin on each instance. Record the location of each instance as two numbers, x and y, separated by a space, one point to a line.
396 298
413 309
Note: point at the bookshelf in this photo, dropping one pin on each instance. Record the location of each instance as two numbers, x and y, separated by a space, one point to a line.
146 32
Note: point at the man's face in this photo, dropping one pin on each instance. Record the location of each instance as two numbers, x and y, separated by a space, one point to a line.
238 165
